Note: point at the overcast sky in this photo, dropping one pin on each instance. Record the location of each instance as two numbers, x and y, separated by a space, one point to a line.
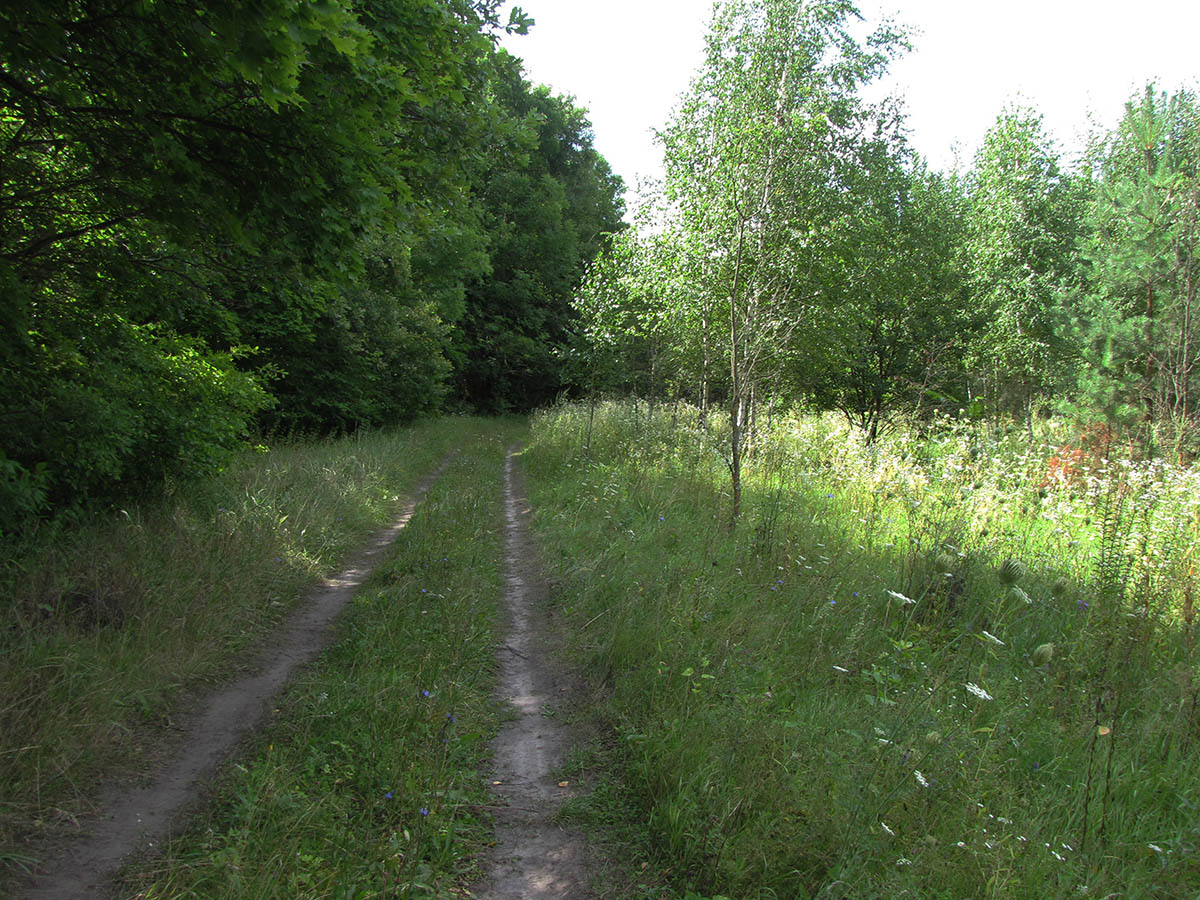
1074 60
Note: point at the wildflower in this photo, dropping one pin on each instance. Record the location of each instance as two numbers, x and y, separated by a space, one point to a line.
1081 605
387 796
1155 848
904 861
905 601
424 811
889 831
426 694
979 692
991 637
840 669
921 779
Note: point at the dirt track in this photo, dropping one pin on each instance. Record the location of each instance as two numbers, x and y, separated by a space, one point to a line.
135 818
533 857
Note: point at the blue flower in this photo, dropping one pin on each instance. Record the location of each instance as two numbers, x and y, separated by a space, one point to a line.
424 811
426 694
388 795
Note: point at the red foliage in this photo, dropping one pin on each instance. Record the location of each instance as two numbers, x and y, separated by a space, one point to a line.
1073 463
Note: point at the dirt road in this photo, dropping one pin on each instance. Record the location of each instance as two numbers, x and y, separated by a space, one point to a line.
140 817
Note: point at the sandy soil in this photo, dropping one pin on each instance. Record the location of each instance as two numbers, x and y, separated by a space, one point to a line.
137 818
533 857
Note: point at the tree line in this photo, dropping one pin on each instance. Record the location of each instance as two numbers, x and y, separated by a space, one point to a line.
221 219
799 250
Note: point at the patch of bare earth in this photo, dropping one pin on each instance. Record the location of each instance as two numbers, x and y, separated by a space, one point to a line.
136 819
533 857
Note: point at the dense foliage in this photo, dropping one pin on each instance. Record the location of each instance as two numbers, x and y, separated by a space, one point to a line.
217 218
801 252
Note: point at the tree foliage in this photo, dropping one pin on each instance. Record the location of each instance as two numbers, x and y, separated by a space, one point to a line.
1138 321
221 217
1022 229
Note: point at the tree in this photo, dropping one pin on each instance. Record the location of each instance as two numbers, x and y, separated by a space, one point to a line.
892 336
1138 320
755 161
1024 219
548 200
215 215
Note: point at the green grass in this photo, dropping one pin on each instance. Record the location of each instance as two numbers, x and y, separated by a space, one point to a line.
110 629
366 782
782 721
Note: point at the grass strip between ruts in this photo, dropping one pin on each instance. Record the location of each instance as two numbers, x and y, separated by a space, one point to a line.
366 783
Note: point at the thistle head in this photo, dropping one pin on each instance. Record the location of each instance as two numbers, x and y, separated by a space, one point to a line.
1011 572
1042 654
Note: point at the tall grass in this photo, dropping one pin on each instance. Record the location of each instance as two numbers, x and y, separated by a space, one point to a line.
939 666
106 632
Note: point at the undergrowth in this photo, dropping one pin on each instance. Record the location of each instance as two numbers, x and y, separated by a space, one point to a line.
936 667
365 783
106 632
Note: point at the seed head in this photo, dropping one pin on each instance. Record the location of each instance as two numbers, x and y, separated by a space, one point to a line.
1011 572
1042 654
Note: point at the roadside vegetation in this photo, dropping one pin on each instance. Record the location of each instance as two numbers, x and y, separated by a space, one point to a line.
954 663
109 630
366 782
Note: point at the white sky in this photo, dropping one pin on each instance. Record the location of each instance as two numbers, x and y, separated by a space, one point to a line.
1075 61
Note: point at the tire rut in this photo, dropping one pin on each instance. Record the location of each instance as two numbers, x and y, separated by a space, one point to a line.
532 857
137 819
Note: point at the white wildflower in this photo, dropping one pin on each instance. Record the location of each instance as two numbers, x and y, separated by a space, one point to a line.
904 861
979 692
1155 848
884 826
840 669
991 637
905 601
921 779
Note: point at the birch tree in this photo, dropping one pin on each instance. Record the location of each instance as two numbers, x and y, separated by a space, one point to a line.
755 158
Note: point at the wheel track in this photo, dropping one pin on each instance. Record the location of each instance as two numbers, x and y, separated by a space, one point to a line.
533 857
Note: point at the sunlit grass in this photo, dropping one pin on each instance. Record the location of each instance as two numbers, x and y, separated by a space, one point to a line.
913 669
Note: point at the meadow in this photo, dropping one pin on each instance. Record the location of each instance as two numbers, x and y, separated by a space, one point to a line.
957 663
